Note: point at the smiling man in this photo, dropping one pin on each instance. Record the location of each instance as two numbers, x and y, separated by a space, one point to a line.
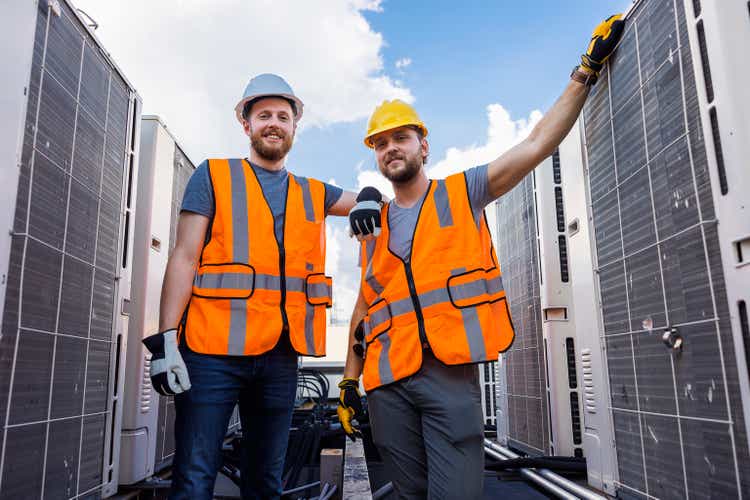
244 294
432 303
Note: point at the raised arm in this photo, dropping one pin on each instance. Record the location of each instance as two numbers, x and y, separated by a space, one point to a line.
513 165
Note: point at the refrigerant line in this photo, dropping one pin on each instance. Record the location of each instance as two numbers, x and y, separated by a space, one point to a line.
568 485
534 477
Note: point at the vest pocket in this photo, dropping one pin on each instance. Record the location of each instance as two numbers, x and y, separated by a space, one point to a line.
224 281
475 287
378 320
319 290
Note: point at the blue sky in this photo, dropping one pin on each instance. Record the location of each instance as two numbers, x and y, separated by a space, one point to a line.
464 56
479 74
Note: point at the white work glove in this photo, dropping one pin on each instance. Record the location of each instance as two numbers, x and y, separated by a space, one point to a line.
169 375
364 218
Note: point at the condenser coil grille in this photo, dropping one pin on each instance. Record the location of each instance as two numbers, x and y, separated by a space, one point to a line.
528 426
677 416
57 329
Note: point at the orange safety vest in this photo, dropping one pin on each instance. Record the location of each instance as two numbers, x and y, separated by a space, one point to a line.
448 296
249 287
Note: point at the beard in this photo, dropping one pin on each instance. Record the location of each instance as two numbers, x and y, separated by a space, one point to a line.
274 152
412 165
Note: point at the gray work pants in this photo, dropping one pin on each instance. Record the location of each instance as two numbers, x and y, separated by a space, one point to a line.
428 428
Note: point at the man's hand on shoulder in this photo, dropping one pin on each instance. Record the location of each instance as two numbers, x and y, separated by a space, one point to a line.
364 218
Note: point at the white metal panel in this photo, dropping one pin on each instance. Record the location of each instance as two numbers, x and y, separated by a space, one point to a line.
140 401
487 373
598 440
557 313
16 48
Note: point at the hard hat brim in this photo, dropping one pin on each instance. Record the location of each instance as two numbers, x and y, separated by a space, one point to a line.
368 138
241 105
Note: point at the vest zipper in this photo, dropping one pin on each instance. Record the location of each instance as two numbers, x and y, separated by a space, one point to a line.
417 308
280 245
282 275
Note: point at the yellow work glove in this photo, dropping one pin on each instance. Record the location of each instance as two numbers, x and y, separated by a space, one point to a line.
603 42
350 406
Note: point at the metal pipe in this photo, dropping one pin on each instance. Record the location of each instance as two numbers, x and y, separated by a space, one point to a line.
577 489
300 488
329 493
534 477
383 491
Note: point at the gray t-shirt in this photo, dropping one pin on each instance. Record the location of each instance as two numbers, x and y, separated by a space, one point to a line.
199 194
402 221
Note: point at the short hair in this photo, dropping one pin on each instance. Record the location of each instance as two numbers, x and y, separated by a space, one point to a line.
420 135
418 130
249 105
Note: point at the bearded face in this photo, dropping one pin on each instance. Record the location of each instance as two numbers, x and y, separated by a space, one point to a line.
271 142
400 153
270 126
401 167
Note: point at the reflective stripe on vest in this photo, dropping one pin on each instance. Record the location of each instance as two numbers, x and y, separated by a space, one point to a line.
237 281
480 290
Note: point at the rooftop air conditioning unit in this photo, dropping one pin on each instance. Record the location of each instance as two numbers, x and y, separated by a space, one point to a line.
69 119
666 146
148 418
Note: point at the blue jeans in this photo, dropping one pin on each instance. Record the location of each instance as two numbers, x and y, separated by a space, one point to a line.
265 388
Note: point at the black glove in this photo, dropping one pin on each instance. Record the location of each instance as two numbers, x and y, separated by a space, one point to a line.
603 43
350 406
169 375
364 218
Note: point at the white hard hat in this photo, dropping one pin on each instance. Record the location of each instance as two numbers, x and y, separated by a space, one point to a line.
268 85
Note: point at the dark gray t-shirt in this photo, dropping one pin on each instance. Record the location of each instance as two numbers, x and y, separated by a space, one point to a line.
402 221
199 194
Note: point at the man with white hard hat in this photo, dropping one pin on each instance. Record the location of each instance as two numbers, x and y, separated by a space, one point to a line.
244 294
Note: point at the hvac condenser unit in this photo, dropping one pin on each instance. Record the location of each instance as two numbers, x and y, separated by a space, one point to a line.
68 119
148 418
543 390
666 143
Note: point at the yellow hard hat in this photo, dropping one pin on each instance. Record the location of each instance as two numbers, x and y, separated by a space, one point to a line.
390 115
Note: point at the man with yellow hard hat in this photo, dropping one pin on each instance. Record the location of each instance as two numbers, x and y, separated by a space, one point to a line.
432 303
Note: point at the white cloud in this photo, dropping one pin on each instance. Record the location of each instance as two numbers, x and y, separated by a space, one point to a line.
402 63
503 132
190 61
376 179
